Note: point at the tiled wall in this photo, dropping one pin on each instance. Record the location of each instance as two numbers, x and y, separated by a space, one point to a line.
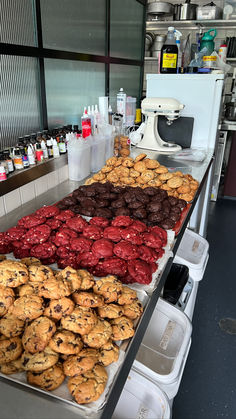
31 190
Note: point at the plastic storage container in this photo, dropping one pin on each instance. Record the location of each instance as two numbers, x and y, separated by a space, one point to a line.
164 349
79 157
193 252
98 152
141 398
130 111
175 283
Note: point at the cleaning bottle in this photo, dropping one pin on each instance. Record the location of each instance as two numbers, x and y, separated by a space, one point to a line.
208 41
178 34
169 53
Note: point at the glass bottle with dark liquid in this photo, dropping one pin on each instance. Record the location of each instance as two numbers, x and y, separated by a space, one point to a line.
169 54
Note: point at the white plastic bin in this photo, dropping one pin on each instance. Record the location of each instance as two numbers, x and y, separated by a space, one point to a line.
98 153
141 398
164 349
193 252
79 158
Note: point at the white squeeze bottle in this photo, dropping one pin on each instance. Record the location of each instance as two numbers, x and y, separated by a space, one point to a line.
56 152
121 103
45 150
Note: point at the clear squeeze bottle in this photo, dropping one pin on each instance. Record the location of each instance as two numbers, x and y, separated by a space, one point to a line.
169 53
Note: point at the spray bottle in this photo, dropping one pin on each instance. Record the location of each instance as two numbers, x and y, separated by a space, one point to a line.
86 124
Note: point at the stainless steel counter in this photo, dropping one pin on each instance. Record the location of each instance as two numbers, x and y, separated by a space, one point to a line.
17 402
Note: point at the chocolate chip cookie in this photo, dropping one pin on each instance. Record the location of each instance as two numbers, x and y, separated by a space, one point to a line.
7 298
89 386
109 287
87 279
49 379
11 367
59 308
99 335
38 334
11 326
27 308
127 296
28 289
122 328
87 299
71 277
133 310
13 274
10 349
30 261
39 273
39 361
54 288
81 320
111 311
66 342
76 365
108 353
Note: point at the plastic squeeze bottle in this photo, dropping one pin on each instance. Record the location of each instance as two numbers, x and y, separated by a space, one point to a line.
169 53
86 124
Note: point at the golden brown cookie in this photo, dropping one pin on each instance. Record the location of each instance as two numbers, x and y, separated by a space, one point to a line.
10 349
124 152
88 387
7 298
27 307
178 173
28 289
175 182
122 328
81 320
140 166
90 181
165 187
111 161
133 310
183 189
13 274
174 193
147 175
49 379
151 163
106 169
88 299
70 277
119 161
66 342
188 177
81 363
122 171
108 353
155 182
128 162
39 273
59 308
111 311
38 334
99 335
11 326
39 361
87 279
127 180
140 180
140 157
30 261
161 169
54 288
112 177
165 176
99 176
11 367
188 197
2 257
194 185
134 173
127 296
109 287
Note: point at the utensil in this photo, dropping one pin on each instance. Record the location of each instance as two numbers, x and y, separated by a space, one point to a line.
159 8
188 11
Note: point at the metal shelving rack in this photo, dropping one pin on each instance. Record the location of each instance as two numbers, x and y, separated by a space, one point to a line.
155 25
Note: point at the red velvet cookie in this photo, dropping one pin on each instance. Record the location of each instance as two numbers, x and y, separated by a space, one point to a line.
48 211
80 244
38 234
30 221
65 215
43 250
102 248
140 271
99 221
122 221
126 250
132 236
77 223
113 233
93 232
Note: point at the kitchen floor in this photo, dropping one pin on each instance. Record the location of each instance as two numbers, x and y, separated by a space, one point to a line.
208 387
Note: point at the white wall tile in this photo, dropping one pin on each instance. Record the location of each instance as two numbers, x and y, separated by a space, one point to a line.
63 174
2 207
12 200
52 179
27 192
41 185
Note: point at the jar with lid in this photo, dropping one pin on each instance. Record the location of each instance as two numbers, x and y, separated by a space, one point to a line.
9 161
17 159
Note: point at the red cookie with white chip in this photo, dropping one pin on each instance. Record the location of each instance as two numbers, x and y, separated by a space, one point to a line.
30 221
139 226
66 230
99 221
53 223
5 245
65 215
87 260
113 233
147 253
114 266
62 238
93 232
38 234
20 249
48 211
102 248
70 260
161 232
140 271
152 240
126 250
63 252
122 221
76 223
15 233
43 250
80 244
132 236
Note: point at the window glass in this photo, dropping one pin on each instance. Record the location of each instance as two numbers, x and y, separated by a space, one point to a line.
125 76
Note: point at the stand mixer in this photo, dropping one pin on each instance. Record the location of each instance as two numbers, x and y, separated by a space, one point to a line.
153 108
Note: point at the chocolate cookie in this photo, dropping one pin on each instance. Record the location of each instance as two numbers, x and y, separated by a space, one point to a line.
10 349
11 326
13 274
7 298
89 386
88 299
111 311
38 334
49 379
122 328
39 361
76 365
99 335
27 307
109 287
108 353
66 342
59 308
81 320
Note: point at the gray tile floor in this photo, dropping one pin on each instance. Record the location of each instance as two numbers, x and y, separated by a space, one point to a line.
208 387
